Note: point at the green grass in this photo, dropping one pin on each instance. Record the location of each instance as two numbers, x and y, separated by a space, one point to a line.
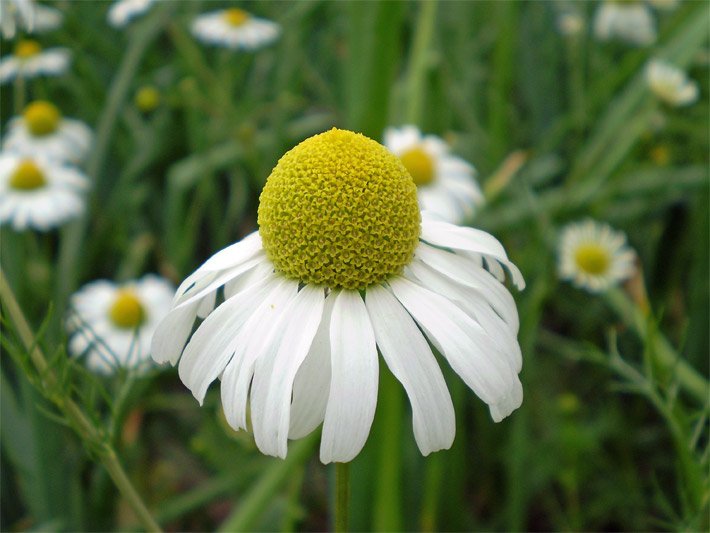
613 431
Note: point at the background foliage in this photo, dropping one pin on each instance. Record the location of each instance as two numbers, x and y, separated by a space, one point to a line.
559 128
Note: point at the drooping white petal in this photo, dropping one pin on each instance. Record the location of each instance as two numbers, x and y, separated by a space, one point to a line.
509 403
274 373
355 374
409 358
471 240
257 338
171 334
472 355
312 383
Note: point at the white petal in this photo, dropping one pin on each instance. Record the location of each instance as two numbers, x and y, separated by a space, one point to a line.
274 373
353 387
409 358
312 383
472 355
171 334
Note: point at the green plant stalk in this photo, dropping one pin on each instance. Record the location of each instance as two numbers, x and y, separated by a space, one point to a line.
74 234
433 476
664 354
417 71
342 496
263 490
74 414
19 94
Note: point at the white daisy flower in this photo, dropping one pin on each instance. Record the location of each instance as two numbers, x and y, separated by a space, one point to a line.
235 28
42 131
29 61
593 256
39 193
446 185
112 324
122 12
630 21
14 13
670 83
343 265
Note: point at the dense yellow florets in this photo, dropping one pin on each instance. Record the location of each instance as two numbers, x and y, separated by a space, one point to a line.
339 210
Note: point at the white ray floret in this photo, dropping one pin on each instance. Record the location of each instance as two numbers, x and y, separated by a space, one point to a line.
235 28
671 84
122 12
631 22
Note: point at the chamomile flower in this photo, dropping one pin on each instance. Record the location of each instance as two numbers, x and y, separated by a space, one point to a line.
112 324
593 256
671 84
29 61
446 185
122 12
235 28
628 20
39 193
344 264
42 131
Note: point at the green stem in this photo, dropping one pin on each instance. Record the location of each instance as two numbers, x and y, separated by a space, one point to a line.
19 94
434 476
76 417
418 60
342 496
664 354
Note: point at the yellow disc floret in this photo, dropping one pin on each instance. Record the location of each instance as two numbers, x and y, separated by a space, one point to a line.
419 164
26 48
27 176
126 311
41 118
235 17
592 258
339 210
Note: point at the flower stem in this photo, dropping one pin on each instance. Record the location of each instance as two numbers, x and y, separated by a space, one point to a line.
92 436
342 496
418 60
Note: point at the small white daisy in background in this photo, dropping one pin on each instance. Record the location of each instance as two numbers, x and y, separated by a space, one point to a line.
446 184
15 13
670 83
343 264
235 28
42 131
629 21
112 324
29 61
39 193
122 12
593 256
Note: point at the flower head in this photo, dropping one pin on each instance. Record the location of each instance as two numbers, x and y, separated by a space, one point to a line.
29 60
43 132
594 256
235 28
630 21
671 84
122 12
342 265
112 324
446 185
39 193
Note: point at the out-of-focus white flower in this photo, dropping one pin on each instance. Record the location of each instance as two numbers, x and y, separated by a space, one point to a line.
446 184
593 256
14 12
670 83
235 28
628 21
42 131
38 193
112 324
343 264
570 23
29 60
122 12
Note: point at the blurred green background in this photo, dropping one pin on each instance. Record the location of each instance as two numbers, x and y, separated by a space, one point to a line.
559 127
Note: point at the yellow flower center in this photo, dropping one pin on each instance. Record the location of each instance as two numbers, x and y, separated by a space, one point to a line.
147 98
126 310
27 176
41 118
419 164
26 48
235 17
592 258
339 210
